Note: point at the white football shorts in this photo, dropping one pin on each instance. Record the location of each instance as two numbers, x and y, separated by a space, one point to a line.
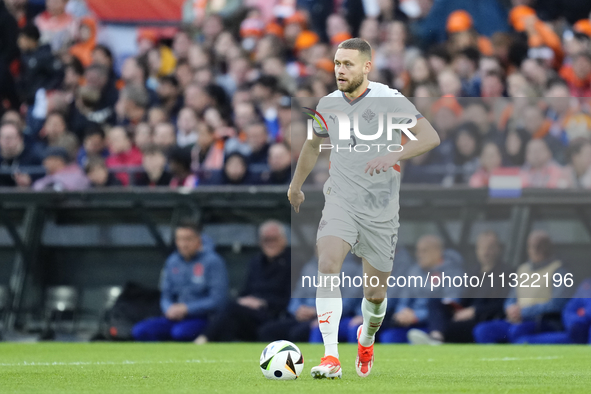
374 241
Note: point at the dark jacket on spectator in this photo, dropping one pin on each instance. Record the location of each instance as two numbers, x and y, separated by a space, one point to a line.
201 283
144 180
8 53
39 69
270 280
488 300
31 156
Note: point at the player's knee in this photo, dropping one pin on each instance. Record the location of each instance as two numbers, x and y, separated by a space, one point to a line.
375 299
328 265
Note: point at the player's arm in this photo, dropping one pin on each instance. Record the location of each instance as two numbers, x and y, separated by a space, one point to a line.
427 139
306 162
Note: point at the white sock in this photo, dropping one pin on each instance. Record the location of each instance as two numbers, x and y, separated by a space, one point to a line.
373 315
329 308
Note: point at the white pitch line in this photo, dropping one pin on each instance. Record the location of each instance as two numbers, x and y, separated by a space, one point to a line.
522 358
125 362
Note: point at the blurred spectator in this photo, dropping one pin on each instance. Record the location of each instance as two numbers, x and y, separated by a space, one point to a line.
156 115
168 96
266 291
265 95
57 27
467 144
55 132
97 77
93 145
578 75
62 174
514 148
186 124
164 136
465 64
257 140
477 112
123 156
540 170
179 161
208 153
279 165
490 160
455 322
194 285
39 68
543 42
538 127
529 309
132 107
154 165
9 50
86 41
412 307
236 172
579 158
143 136
15 156
98 174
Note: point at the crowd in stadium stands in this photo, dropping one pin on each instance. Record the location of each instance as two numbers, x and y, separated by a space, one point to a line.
505 82
195 305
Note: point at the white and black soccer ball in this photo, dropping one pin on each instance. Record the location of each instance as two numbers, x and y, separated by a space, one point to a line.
282 360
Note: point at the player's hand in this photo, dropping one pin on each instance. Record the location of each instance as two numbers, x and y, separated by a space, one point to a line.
252 302
405 317
177 312
296 198
305 313
382 163
464 314
22 179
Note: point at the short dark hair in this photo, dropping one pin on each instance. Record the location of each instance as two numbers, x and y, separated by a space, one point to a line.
94 162
94 129
171 79
182 156
30 31
104 49
76 65
190 223
357 44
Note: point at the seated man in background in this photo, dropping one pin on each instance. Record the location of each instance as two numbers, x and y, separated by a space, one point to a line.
455 322
412 308
529 309
301 325
16 153
62 173
194 284
266 291
576 318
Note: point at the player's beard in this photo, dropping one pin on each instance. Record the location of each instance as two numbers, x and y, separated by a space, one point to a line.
353 85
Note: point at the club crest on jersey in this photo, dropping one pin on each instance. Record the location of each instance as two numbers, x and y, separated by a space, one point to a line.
198 271
368 115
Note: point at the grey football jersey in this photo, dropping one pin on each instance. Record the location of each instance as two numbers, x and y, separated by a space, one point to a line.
374 198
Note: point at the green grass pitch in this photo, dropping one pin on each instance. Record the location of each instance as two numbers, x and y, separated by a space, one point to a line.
233 368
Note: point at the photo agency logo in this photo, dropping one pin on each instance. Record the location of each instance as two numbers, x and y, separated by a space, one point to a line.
374 126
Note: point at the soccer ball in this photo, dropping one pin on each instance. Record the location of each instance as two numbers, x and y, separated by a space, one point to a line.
281 360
